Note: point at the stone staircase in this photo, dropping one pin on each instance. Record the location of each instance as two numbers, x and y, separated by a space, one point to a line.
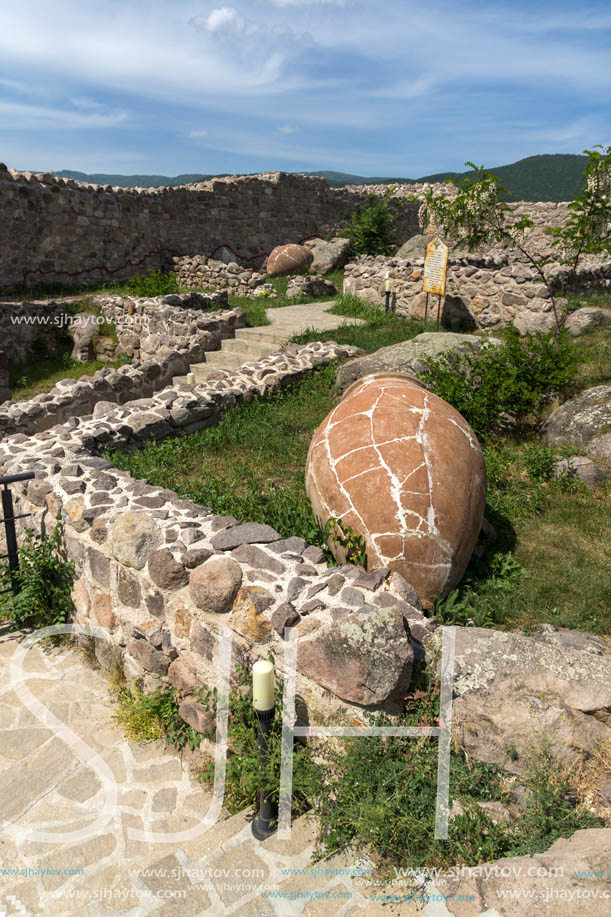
251 344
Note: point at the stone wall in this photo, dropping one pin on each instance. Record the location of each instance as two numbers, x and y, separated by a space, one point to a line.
164 341
30 330
164 574
55 230
482 291
211 274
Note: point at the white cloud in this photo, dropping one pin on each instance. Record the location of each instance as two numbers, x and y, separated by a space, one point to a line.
225 20
309 2
197 135
287 129
32 117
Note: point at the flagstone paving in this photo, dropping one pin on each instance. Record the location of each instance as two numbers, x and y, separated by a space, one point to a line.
46 786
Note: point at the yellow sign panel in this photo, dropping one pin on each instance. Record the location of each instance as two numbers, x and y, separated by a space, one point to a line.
435 267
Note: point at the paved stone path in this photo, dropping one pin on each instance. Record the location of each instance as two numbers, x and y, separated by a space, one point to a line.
251 344
45 785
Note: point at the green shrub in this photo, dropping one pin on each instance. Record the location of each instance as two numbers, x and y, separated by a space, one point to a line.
153 283
244 776
508 381
371 229
44 578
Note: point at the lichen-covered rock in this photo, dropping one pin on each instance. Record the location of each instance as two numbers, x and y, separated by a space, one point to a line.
310 286
584 421
582 320
133 536
408 356
365 658
328 256
405 471
214 584
288 259
509 687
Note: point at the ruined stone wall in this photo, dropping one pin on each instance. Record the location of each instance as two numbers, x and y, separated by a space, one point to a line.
211 274
482 291
31 330
164 574
55 230
164 340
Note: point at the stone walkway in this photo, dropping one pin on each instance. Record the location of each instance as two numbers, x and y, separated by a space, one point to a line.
251 344
46 786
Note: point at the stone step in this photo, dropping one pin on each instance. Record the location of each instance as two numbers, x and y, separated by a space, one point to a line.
265 334
223 359
251 350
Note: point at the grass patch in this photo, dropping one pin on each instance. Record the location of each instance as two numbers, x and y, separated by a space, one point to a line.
150 716
554 540
380 792
250 465
40 376
379 330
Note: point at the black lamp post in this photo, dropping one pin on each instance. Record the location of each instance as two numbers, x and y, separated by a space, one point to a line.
264 823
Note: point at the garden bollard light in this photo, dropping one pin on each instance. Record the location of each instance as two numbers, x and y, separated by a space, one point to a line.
263 700
387 287
190 378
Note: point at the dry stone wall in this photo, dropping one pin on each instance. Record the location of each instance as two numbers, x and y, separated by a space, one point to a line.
485 291
28 329
164 574
55 230
212 274
164 340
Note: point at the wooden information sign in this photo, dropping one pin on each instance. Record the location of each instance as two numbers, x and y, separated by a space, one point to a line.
435 267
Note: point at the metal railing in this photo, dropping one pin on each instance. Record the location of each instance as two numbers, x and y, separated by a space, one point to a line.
9 519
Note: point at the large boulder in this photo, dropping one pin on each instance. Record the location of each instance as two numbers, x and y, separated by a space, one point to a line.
404 470
566 880
365 658
583 320
289 259
584 421
407 356
328 256
310 286
509 688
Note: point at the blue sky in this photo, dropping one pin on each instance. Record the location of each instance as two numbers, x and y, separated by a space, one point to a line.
396 88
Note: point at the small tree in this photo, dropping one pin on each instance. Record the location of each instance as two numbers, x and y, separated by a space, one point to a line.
372 229
476 216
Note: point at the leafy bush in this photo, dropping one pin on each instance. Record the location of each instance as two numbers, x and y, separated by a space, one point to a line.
154 283
44 578
511 380
371 230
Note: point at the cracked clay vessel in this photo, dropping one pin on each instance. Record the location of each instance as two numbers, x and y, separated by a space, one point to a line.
405 470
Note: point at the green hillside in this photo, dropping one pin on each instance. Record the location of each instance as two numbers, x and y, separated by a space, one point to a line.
550 177
133 181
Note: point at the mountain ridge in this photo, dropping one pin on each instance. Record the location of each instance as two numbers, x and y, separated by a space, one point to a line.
545 177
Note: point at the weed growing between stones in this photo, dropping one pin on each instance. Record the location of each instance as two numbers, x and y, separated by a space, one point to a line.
244 776
45 577
151 716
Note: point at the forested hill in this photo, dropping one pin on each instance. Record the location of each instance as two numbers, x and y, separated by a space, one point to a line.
549 177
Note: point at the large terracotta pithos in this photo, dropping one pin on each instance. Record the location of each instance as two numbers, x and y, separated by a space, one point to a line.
405 470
